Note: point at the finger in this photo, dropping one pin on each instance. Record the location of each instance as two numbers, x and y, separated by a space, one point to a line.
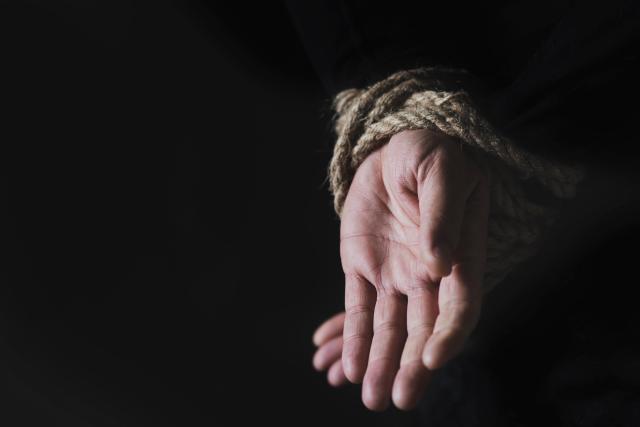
360 300
327 354
329 329
442 195
413 376
336 376
460 293
388 337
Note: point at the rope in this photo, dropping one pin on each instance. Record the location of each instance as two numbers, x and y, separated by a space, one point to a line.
414 99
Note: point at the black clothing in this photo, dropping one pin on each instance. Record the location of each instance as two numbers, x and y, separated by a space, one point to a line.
559 77
558 74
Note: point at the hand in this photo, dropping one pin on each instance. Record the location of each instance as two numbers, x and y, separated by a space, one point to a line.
413 247
328 339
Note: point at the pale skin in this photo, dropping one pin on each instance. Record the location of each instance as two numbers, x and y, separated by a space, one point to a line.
413 248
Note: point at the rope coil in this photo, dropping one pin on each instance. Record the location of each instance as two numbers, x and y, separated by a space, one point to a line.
416 99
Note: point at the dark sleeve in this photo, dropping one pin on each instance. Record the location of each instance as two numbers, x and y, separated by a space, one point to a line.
356 43
576 96
558 76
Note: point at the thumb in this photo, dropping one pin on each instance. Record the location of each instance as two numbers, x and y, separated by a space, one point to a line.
442 197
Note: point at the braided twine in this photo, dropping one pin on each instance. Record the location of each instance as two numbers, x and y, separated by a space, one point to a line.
366 120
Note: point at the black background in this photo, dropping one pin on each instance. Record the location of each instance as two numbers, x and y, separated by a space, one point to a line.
171 243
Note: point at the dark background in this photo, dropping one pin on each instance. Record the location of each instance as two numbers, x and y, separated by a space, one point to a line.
171 243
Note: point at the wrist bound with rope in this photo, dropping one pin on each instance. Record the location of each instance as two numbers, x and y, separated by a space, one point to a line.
425 99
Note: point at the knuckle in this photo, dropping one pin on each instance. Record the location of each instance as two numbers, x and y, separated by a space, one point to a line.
450 331
460 314
371 276
387 326
383 358
358 310
423 328
353 340
422 287
457 306
423 282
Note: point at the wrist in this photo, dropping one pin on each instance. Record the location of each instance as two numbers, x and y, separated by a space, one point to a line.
368 119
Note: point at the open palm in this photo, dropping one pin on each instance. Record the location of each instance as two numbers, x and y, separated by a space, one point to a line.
413 243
